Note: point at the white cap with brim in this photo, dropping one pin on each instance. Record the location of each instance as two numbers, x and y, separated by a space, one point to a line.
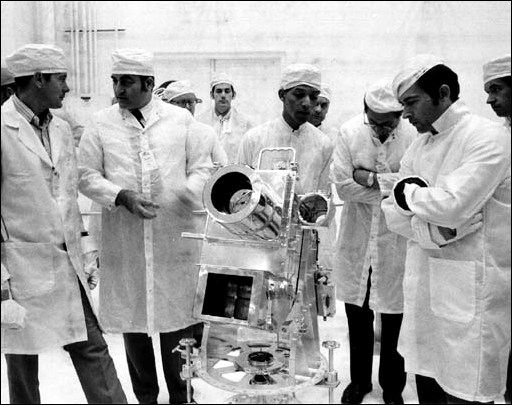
7 77
412 71
301 73
177 89
325 92
497 68
379 97
132 62
32 58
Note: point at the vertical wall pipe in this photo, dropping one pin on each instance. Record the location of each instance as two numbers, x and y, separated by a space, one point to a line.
77 47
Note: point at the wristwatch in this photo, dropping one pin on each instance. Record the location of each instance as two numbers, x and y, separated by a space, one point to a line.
371 179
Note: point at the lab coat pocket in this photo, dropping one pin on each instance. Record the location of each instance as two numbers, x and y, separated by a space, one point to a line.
31 266
452 289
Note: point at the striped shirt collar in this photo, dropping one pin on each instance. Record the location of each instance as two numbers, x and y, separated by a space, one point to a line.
29 115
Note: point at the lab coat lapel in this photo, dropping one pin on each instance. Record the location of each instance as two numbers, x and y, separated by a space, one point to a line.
26 133
155 115
56 134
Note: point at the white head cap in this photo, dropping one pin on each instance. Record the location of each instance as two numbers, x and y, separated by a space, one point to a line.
177 89
219 78
7 77
32 58
301 73
412 71
379 97
132 62
496 68
325 91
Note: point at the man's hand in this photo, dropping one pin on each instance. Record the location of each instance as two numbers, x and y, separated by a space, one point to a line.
450 235
361 177
399 192
91 268
13 315
137 204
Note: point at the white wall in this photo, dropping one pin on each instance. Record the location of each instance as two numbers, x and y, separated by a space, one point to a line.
353 43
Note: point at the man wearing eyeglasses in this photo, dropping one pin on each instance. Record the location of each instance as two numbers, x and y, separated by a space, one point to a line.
369 258
182 94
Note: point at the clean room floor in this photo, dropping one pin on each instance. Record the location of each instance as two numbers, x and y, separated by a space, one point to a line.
59 383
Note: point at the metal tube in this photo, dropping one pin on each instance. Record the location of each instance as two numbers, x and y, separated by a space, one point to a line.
94 11
89 49
189 381
76 35
72 43
331 368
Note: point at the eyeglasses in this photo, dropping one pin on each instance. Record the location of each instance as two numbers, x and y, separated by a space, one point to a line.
184 103
384 126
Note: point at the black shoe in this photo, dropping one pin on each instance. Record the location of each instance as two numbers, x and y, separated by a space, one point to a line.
393 399
354 393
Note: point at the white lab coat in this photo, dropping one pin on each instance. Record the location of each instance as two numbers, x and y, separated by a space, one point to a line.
211 142
231 131
313 151
456 325
331 132
148 271
328 236
364 238
41 213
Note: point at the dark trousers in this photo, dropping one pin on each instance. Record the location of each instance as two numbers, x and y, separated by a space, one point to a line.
92 362
392 376
430 392
142 368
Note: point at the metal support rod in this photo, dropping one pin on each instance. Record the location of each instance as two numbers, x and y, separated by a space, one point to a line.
332 375
186 374
331 368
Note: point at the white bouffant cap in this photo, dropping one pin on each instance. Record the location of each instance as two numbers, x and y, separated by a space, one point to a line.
7 77
325 91
301 73
496 68
133 62
379 97
177 89
32 58
220 78
412 71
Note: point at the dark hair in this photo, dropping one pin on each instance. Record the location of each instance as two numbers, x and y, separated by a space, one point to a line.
165 84
506 80
23 81
434 78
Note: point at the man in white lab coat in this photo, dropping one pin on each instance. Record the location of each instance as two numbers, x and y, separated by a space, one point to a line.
497 85
143 164
320 111
452 203
182 94
42 259
299 90
369 258
327 236
228 121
